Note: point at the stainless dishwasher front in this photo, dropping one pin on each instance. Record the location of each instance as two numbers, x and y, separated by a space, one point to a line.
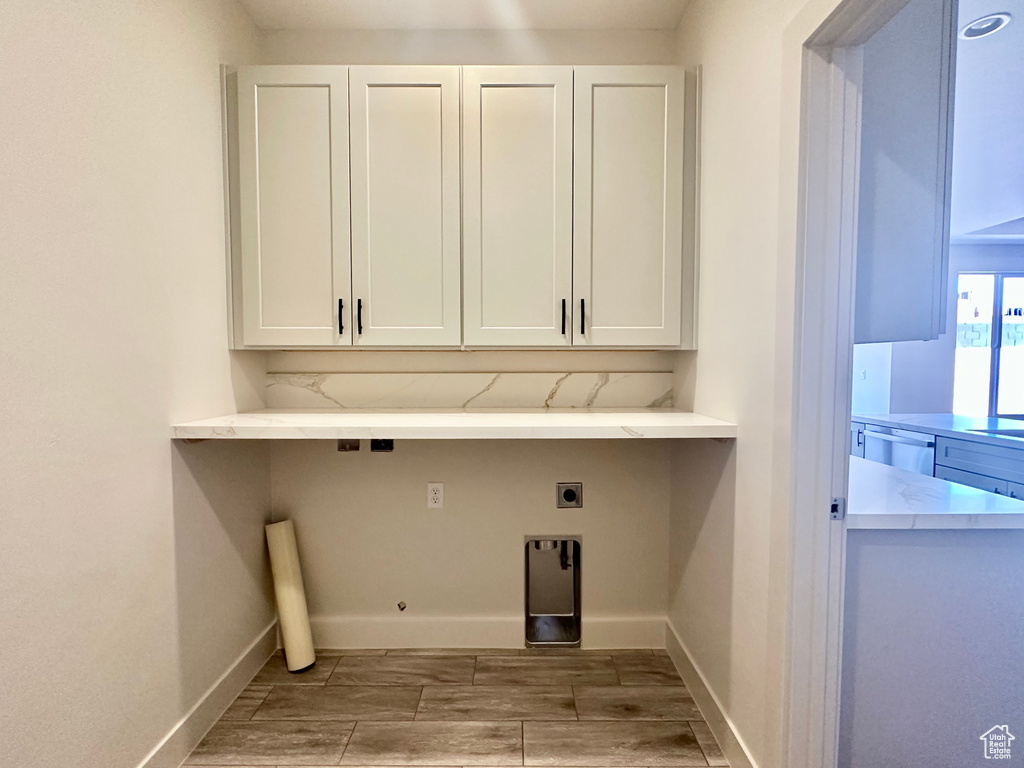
913 451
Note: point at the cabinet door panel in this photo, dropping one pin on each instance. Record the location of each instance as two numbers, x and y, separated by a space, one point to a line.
981 458
517 233
293 199
628 183
405 204
1016 490
972 479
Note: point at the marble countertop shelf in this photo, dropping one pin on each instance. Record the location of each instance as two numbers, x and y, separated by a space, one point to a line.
888 498
433 424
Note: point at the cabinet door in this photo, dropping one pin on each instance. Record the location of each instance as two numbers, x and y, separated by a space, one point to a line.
981 458
293 205
517 205
974 480
1016 490
904 182
405 205
628 190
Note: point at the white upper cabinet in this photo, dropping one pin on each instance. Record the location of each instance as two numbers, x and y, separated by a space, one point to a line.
293 211
405 206
905 173
517 205
439 206
628 206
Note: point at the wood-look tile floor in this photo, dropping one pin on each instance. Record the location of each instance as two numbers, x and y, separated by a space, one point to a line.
441 708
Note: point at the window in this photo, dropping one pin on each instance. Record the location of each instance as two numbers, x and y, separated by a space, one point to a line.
989 364
1010 352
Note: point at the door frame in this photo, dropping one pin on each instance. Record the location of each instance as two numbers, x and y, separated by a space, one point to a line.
818 215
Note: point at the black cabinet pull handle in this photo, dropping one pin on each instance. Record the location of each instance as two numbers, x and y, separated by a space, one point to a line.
563 317
341 317
359 316
583 316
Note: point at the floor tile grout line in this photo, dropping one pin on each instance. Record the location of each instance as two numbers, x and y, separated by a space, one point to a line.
699 745
419 701
702 751
258 706
351 736
334 666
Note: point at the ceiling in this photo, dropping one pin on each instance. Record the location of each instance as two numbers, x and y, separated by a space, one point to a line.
988 129
466 14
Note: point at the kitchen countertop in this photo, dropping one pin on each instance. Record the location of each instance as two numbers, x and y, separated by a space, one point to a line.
949 425
539 423
886 498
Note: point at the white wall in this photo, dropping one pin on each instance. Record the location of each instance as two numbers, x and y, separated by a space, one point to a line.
368 541
718 599
132 568
467 47
872 377
931 665
730 517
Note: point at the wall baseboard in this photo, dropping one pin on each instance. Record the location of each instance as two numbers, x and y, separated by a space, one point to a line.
475 632
189 731
721 726
624 632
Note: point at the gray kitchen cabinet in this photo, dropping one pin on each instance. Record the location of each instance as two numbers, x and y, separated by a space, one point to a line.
1002 462
905 171
974 480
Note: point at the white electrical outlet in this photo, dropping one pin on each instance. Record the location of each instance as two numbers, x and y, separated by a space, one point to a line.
435 495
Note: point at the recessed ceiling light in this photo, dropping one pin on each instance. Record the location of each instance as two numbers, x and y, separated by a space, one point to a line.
986 25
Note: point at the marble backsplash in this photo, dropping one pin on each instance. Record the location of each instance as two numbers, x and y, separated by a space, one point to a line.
469 390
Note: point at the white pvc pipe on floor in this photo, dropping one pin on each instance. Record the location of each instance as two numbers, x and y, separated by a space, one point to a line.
291 596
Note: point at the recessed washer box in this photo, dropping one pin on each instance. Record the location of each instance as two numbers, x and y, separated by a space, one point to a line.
553 588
